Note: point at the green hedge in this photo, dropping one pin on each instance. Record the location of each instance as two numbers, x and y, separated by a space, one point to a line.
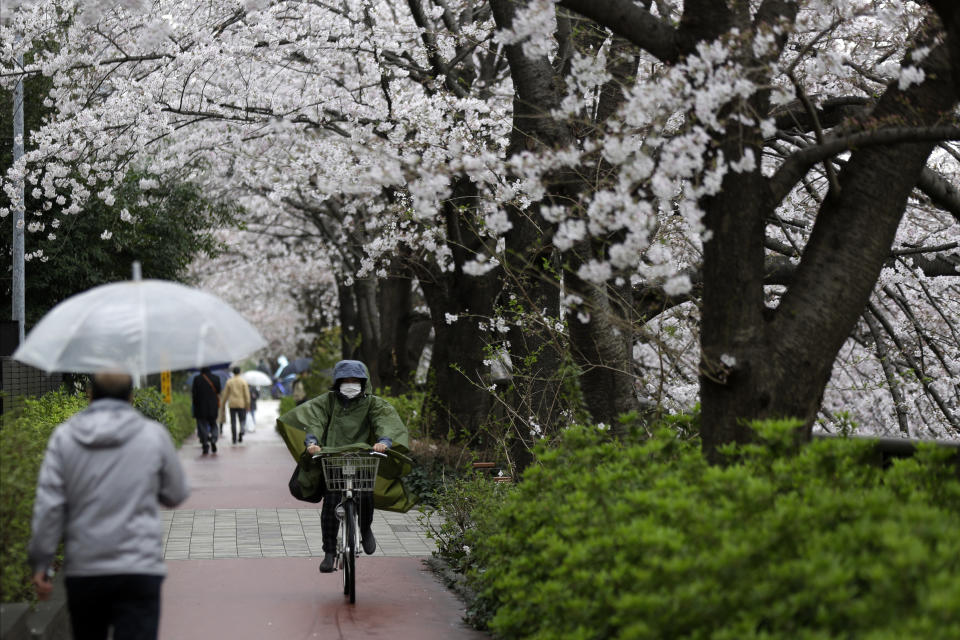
287 403
607 540
23 440
176 416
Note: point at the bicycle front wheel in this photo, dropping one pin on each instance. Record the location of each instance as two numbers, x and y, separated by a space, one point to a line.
350 550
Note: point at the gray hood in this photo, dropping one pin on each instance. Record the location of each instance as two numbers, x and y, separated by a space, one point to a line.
105 423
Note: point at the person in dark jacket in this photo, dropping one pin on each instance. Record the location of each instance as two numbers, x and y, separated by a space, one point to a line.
206 406
106 472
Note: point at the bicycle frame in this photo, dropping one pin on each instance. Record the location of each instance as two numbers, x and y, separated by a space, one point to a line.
351 475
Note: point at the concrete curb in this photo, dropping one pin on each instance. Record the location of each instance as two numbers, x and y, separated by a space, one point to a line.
49 621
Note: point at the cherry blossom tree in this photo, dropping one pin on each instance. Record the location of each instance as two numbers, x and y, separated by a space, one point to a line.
752 204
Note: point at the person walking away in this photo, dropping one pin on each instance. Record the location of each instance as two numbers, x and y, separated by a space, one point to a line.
237 395
344 416
206 406
105 473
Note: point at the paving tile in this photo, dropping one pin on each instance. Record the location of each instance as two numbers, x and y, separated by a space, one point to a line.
282 532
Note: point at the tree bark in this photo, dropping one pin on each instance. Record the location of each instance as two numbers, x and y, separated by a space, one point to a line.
782 359
603 347
461 402
395 305
349 323
532 267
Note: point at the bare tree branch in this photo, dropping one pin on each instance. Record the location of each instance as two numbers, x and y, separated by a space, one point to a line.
941 192
889 371
636 24
797 165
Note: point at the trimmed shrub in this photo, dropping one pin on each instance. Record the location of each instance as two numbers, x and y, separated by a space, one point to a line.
22 444
287 403
177 416
613 540
455 518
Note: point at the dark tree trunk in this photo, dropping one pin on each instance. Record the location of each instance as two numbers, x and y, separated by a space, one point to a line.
369 320
603 350
461 402
532 269
732 338
603 347
349 323
784 357
394 301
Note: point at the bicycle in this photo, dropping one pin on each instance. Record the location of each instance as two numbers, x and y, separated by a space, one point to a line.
350 474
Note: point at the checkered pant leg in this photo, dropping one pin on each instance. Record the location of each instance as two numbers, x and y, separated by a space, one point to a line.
330 524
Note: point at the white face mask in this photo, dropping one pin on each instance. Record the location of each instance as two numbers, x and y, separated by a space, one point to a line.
350 389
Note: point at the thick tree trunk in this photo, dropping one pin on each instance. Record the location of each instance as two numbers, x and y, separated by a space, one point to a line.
349 323
603 350
461 399
758 363
369 319
532 269
733 362
461 402
394 301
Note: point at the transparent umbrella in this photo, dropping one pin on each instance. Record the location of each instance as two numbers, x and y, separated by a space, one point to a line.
257 378
141 327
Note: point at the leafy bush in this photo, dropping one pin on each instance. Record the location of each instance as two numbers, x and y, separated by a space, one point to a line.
22 444
410 408
150 403
436 463
176 416
287 403
646 540
457 506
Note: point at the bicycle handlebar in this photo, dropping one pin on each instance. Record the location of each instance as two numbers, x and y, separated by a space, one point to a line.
340 453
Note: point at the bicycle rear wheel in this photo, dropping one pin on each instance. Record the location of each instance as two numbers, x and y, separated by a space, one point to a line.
350 551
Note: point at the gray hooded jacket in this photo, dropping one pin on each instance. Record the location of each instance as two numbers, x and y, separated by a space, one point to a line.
105 473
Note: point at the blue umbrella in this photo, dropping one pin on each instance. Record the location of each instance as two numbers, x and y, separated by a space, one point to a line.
223 374
297 366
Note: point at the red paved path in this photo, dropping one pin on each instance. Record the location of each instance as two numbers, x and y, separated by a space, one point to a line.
287 598
254 598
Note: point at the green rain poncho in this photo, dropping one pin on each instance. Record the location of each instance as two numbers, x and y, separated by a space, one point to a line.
355 424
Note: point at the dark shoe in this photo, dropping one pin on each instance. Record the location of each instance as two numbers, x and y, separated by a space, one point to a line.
213 447
241 437
327 565
368 542
204 449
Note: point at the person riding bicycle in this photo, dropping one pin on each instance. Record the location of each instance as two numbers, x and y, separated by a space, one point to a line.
348 415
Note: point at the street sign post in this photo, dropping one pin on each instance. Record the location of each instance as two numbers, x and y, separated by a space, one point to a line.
165 387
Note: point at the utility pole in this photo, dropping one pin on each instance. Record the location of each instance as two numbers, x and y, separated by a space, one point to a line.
19 282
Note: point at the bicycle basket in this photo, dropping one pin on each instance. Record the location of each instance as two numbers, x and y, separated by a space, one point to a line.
350 471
